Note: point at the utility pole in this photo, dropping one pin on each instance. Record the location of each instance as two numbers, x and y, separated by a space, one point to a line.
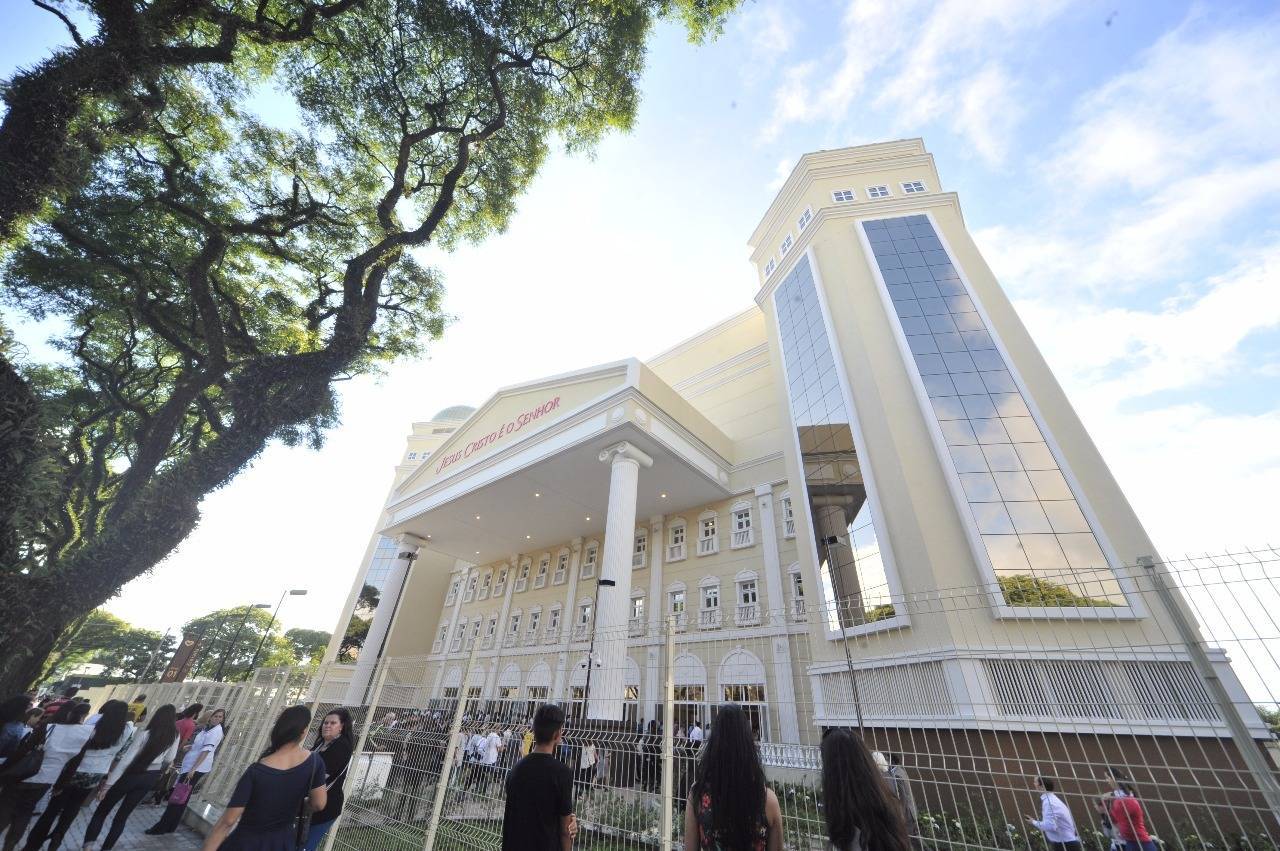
297 592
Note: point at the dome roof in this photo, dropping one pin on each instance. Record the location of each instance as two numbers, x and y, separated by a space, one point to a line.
456 414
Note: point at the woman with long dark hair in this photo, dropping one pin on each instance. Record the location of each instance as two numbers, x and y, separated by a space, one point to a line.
861 811
195 766
264 807
335 743
62 739
730 807
81 774
134 775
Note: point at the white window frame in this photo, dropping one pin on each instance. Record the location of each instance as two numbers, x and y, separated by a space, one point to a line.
486 583
554 616
741 534
636 622
682 614
879 191
475 633
786 246
678 550
640 549
459 635
909 187
836 196
522 576
437 646
770 266
708 545
746 612
513 628
590 560
710 617
581 626
413 456
805 219
799 599
469 593
452 596
561 574
500 583
544 570
490 631
788 516
531 630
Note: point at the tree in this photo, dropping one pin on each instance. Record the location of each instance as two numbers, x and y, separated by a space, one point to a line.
222 637
308 644
124 650
353 639
216 275
1023 590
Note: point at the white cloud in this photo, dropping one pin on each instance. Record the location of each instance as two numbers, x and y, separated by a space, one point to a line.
780 173
770 33
921 58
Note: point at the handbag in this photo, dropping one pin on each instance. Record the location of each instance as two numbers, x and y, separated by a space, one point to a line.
27 760
181 793
69 770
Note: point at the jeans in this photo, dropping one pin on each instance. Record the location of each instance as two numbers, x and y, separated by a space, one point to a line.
316 835
128 792
17 803
63 807
172 815
1131 845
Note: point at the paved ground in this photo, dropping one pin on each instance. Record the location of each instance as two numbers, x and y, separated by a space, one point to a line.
133 838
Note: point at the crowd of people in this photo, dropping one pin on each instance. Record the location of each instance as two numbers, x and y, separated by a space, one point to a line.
56 754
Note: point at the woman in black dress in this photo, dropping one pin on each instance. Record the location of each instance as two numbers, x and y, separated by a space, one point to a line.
335 745
264 808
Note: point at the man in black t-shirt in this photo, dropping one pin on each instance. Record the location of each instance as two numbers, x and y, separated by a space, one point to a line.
539 814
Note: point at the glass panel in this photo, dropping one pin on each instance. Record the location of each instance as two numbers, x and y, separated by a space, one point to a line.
1040 545
851 572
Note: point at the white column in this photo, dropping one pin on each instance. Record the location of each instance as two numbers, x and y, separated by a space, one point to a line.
604 702
774 609
657 551
512 567
560 686
407 547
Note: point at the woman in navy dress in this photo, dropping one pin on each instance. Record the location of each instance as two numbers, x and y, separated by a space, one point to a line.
263 810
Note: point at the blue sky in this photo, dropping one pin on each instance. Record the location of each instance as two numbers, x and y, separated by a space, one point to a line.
1118 164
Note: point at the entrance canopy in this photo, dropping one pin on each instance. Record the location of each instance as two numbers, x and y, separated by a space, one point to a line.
524 472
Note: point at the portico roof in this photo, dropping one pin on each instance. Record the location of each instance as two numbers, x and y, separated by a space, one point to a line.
523 473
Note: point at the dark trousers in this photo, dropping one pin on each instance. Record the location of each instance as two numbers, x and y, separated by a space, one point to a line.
61 811
172 815
1065 846
17 803
128 792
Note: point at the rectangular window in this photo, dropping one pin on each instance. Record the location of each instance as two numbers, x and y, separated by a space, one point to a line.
743 536
470 593
747 592
675 543
691 694
501 585
1035 536
878 191
788 518
677 602
852 572
797 595
562 569
484 587
514 626
589 562
449 692
770 266
532 633
711 597
805 218
440 639
453 592
640 550
637 608
708 541
913 187
539 693
786 245
413 455
843 196
540 580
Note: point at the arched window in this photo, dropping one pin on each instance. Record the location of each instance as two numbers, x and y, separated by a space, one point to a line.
742 681
676 534
709 603
544 567
708 533
747 608
590 560
640 549
741 532
509 682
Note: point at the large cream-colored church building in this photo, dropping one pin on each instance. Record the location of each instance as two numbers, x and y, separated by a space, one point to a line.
875 436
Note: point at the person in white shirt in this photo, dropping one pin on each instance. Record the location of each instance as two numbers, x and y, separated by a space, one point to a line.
63 738
135 774
1055 822
195 766
695 735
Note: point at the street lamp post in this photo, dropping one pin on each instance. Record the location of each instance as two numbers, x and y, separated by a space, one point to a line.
297 592
154 654
248 610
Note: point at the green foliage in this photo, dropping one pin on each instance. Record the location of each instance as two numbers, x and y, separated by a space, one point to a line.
1023 590
215 274
234 635
353 639
125 651
308 644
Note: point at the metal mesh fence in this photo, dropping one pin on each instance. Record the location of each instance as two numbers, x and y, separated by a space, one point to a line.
969 695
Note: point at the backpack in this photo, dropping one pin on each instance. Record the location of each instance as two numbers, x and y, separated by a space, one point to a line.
27 759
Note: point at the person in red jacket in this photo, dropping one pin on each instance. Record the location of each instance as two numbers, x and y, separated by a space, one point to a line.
1126 814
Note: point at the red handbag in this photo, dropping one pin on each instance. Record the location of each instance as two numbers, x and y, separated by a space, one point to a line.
181 793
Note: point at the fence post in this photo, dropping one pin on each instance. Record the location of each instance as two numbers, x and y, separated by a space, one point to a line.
361 741
319 684
1253 758
668 733
451 746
